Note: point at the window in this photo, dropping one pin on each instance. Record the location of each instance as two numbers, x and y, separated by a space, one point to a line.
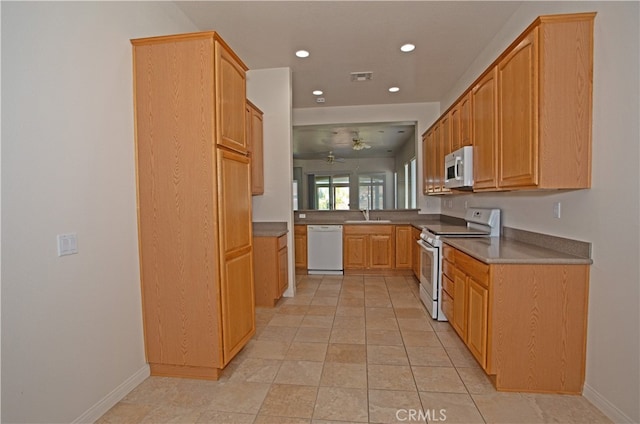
332 192
371 191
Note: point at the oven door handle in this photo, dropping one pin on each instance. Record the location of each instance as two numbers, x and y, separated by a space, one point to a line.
427 247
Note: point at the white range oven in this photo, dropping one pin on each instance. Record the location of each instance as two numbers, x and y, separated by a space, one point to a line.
480 223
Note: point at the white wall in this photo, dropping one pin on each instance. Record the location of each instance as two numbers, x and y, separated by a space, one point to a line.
270 90
424 114
607 215
71 326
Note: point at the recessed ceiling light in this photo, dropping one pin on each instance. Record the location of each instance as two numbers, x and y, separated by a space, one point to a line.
317 92
407 48
302 53
394 89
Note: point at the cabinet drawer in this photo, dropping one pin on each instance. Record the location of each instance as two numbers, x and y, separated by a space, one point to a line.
448 253
447 305
368 229
282 242
448 285
474 268
447 268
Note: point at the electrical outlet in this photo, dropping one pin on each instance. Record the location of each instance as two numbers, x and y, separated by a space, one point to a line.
557 210
67 244
302 215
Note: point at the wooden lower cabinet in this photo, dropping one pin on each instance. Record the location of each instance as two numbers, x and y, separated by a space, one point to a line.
404 258
270 269
477 319
300 247
524 323
415 252
368 247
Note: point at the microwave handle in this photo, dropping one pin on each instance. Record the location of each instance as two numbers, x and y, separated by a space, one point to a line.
455 168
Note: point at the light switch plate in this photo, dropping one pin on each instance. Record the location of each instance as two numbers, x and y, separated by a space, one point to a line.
67 244
557 210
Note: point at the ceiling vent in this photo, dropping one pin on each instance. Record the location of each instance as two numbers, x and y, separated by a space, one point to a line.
361 76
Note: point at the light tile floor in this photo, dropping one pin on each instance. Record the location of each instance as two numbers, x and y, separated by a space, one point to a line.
347 349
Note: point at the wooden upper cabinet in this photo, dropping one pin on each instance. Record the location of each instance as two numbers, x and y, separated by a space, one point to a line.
460 116
529 115
436 158
456 140
231 92
544 86
483 127
445 148
465 121
517 116
255 146
427 169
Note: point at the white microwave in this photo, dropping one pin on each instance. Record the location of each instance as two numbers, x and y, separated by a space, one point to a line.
458 168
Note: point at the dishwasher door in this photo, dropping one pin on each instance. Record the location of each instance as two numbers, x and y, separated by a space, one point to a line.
324 249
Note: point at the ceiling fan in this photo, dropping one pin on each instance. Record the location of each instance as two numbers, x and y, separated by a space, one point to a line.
331 158
358 143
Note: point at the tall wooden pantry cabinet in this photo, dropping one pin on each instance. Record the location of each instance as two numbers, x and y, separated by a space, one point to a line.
194 203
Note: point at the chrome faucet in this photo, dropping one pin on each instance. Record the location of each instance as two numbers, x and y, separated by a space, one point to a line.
365 212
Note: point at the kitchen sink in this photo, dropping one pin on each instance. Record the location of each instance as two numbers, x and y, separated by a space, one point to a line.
372 221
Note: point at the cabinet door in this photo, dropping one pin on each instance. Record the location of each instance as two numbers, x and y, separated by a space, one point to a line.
234 216
459 322
484 110
456 140
478 301
447 300
355 251
465 121
283 267
437 161
444 149
415 251
381 251
230 101
517 115
427 172
300 246
403 247
257 152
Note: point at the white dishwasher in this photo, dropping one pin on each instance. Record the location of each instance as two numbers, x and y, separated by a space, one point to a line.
324 249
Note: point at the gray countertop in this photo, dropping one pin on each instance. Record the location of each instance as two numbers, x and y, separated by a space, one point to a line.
269 229
500 250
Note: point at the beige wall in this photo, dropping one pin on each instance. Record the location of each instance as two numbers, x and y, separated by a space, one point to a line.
71 326
607 215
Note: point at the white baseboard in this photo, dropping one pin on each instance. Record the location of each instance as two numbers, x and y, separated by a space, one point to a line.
116 395
607 408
